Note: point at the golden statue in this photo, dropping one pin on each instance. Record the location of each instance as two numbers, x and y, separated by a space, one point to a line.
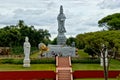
43 48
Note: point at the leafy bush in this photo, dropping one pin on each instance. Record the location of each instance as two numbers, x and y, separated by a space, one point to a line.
33 61
86 60
17 50
43 61
11 61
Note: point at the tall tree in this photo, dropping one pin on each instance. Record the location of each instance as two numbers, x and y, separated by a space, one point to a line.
14 35
111 22
21 23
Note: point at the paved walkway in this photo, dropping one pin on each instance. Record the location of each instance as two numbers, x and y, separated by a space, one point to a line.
63 68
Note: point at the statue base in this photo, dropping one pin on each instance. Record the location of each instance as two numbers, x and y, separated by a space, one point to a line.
61 39
26 63
60 50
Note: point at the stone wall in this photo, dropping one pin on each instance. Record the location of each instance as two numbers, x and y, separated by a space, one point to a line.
59 50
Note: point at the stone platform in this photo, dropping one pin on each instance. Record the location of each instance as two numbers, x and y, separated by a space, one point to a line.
60 50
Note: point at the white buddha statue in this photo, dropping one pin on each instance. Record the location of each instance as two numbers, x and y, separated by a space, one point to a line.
27 46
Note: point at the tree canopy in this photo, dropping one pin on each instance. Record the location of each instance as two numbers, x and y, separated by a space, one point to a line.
111 22
14 35
91 42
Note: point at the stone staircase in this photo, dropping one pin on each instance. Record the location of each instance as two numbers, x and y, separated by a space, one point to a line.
63 68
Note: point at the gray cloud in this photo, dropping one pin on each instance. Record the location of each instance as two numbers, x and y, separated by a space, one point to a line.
109 4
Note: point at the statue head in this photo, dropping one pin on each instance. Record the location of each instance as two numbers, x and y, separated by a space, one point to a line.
61 9
26 39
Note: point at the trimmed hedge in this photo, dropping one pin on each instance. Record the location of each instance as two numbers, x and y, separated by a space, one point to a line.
50 61
86 60
33 61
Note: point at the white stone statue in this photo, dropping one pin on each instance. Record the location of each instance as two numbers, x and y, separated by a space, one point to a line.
27 46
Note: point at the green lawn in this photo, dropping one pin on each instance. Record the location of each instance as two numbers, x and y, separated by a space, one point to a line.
14 67
82 54
114 65
98 79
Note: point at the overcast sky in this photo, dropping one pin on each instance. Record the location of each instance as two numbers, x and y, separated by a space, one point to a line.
81 15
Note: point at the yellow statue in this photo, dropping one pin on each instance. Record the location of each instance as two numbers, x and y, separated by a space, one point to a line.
43 48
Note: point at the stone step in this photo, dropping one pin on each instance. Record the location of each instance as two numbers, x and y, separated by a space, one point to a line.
64 68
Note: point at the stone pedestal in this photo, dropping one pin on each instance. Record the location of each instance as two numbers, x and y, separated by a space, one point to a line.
60 50
26 63
61 39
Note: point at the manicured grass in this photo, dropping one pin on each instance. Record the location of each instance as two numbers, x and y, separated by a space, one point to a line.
98 79
35 54
114 65
82 54
86 67
14 67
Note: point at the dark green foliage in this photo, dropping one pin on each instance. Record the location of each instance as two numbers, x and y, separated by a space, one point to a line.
54 41
111 22
88 50
70 40
43 61
86 60
92 41
11 61
14 35
33 61
49 61
18 50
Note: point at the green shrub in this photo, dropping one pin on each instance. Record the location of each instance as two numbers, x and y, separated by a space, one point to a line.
43 61
33 61
11 61
17 50
85 60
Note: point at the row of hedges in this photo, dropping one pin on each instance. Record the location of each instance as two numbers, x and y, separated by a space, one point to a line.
49 61
33 61
86 60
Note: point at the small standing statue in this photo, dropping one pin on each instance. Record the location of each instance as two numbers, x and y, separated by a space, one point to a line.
27 46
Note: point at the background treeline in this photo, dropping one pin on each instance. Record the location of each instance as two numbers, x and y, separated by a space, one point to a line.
14 35
110 36
92 42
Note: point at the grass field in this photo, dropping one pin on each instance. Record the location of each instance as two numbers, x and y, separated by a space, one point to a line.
14 67
82 54
114 65
98 79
